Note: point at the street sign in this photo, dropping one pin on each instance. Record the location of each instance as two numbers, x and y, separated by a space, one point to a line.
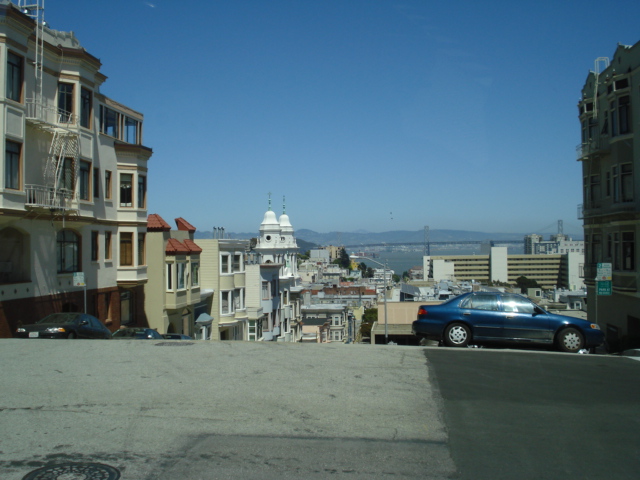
603 287
603 272
78 279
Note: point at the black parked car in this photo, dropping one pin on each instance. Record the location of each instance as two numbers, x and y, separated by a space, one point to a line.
65 325
134 333
505 318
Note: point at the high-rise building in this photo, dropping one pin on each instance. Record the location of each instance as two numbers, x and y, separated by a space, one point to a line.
609 113
73 190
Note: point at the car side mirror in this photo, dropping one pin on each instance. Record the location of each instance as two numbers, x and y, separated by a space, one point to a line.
537 311
84 322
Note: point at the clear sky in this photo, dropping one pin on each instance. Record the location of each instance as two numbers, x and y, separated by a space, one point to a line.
369 115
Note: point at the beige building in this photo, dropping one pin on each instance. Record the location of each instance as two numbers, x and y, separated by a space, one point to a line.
560 270
609 114
73 193
224 273
173 292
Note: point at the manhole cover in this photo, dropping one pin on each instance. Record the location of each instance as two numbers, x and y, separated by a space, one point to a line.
74 471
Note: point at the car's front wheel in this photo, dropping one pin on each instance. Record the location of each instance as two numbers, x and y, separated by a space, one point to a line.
570 340
457 335
72 335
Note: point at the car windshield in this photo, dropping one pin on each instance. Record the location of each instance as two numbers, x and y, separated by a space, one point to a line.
60 318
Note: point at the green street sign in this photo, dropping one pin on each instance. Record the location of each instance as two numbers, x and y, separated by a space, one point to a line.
603 287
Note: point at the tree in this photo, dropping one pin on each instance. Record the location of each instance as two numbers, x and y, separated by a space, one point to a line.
523 283
345 260
369 317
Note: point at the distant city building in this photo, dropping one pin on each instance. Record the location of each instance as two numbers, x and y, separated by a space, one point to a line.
73 193
495 265
536 245
609 114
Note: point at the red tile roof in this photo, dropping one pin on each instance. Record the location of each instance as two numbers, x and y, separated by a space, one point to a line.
184 225
155 223
191 245
176 247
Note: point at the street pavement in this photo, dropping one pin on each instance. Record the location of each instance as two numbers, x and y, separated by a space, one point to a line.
214 410
165 410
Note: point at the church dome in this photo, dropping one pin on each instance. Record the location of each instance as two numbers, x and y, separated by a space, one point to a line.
270 222
285 224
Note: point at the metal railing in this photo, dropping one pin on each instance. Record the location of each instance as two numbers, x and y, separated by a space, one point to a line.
50 114
48 197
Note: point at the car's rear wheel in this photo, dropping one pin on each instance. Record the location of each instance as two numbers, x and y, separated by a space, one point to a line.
72 335
570 340
457 335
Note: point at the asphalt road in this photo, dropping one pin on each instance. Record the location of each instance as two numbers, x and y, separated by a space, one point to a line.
216 410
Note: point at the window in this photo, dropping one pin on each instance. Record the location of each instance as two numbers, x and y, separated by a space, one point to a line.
628 251
107 245
65 102
195 277
626 182
107 184
614 118
68 175
126 194
238 299
12 165
265 291
85 175
616 251
608 184
85 108
169 276
130 130
126 249
14 77
142 191
141 249
237 262
180 271
96 183
482 302
513 303
624 114
109 120
595 192
226 299
224 263
94 246
68 246
595 248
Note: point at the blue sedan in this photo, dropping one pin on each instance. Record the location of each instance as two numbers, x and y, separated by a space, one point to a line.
507 318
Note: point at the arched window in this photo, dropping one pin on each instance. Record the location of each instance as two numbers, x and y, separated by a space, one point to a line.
68 246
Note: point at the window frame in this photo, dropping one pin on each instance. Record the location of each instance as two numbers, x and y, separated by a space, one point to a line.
126 249
84 180
108 245
95 245
108 176
122 202
65 102
68 249
86 107
142 257
15 75
12 166
142 191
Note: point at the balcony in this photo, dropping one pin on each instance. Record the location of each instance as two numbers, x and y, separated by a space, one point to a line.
49 117
592 147
40 196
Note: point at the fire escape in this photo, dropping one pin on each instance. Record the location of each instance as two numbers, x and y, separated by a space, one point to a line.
60 170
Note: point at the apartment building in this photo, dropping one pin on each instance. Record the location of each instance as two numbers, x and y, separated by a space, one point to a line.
549 270
73 213
536 245
224 273
173 295
609 115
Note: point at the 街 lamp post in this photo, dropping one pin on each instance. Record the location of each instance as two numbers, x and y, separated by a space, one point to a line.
384 298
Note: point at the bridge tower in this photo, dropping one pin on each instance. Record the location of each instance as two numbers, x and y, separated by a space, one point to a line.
427 243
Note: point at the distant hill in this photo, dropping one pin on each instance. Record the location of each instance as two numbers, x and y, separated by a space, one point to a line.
310 239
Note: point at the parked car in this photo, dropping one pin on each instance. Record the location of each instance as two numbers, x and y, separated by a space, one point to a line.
65 325
504 318
134 333
176 336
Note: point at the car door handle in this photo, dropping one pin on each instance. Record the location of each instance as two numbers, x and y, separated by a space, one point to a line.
509 316
466 313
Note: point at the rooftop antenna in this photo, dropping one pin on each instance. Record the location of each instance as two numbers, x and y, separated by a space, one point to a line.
269 201
284 206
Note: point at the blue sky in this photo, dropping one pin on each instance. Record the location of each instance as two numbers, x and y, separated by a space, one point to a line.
369 115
